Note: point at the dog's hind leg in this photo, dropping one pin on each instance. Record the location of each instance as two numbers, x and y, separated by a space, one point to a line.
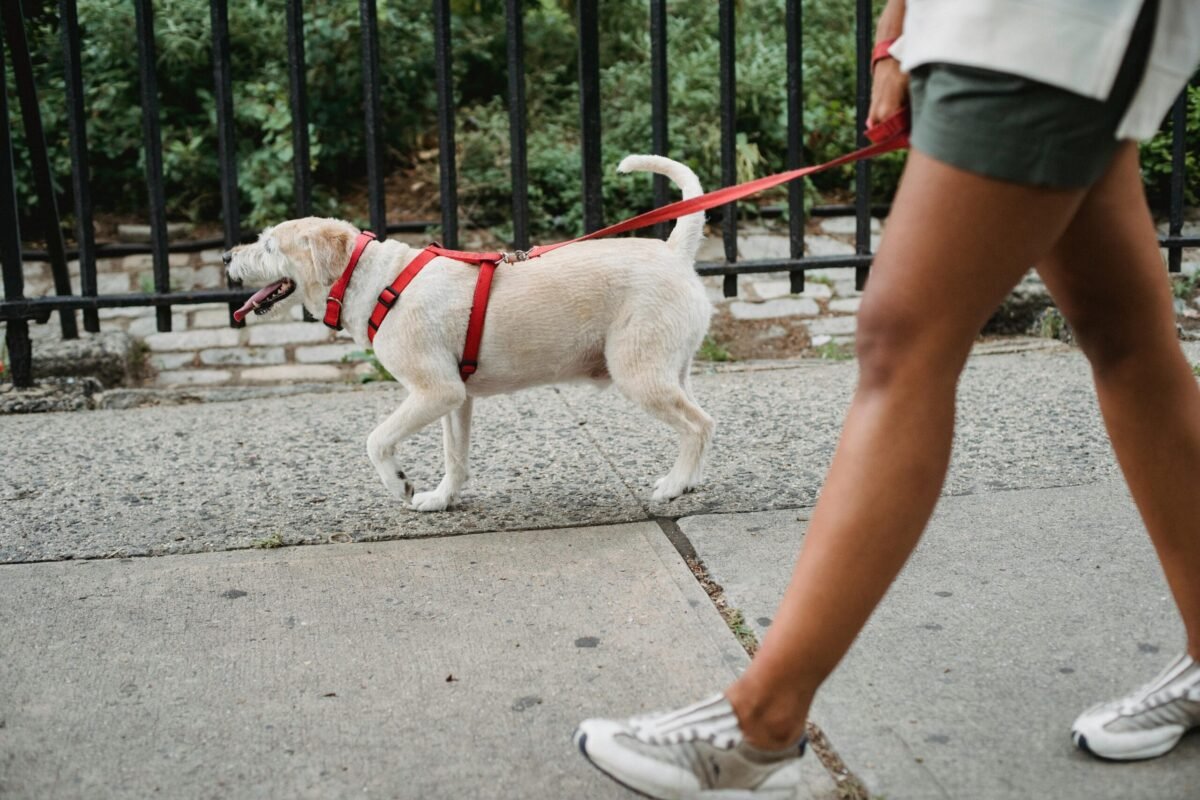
666 399
418 410
456 440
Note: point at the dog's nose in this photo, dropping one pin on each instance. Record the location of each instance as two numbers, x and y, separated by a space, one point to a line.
227 257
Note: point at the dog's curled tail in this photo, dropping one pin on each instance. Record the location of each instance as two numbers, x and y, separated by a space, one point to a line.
689 230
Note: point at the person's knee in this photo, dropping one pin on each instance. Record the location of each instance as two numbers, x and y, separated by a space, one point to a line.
894 343
1114 349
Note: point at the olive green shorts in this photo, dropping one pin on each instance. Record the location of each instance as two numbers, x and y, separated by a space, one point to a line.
1015 129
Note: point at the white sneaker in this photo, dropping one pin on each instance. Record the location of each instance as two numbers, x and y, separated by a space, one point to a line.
1147 723
693 753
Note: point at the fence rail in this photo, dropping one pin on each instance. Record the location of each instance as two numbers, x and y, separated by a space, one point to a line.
17 311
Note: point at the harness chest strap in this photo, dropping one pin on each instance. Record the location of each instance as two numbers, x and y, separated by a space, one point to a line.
483 286
337 293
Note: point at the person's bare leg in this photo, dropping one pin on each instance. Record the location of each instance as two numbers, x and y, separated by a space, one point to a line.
956 244
1107 277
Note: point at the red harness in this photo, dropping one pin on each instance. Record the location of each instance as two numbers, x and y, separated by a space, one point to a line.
487 263
890 134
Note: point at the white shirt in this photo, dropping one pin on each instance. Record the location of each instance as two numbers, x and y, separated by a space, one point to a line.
1076 45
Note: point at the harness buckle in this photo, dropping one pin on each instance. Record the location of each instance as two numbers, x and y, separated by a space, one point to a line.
513 257
390 300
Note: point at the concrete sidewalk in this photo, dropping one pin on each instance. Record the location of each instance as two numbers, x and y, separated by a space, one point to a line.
456 666
447 668
214 476
1018 610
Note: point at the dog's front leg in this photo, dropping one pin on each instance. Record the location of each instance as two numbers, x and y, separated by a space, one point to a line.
456 439
418 410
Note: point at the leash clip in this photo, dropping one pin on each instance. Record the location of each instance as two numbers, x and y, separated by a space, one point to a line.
513 257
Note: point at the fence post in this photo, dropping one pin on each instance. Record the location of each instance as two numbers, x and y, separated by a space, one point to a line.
369 18
152 141
80 177
659 101
589 114
1178 167
795 154
728 71
39 159
17 330
447 166
226 147
862 170
516 123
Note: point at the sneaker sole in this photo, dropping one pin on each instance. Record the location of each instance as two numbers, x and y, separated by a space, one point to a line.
581 743
712 794
1151 751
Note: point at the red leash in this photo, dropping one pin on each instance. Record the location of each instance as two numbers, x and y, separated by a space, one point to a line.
889 135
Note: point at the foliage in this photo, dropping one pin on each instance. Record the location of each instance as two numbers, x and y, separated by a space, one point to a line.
835 351
378 371
1156 156
1185 286
712 350
263 124
694 120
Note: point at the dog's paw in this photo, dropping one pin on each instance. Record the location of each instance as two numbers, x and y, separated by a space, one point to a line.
429 501
668 488
397 484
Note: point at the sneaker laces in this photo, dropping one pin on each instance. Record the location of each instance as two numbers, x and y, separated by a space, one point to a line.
1155 694
710 720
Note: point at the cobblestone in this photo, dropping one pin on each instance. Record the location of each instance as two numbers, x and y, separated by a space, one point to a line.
112 283
208 317
845 305
193 340
782 307
846 226
288 333
169 361
194 377
833 326
147 325
242 356
324 353
292 373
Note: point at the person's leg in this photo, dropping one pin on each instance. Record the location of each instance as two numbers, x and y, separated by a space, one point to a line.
1107 277
956 244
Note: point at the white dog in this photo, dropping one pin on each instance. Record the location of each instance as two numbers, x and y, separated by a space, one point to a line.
629 311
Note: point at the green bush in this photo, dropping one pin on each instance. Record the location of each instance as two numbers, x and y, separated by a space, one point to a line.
261 107
1156 157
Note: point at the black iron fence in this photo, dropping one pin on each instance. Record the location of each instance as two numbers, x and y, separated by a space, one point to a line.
17 311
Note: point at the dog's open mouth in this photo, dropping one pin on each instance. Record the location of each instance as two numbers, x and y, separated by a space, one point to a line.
264 298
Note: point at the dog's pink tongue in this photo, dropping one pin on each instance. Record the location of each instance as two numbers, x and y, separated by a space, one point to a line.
255 299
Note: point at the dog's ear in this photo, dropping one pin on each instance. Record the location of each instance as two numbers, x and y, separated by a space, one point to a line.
329 250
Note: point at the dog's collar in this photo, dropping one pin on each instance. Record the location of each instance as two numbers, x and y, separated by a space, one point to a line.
333 304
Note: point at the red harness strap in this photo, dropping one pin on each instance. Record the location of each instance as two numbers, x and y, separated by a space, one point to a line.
333 304
483 288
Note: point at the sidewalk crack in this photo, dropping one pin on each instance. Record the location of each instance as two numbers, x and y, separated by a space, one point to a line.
849 785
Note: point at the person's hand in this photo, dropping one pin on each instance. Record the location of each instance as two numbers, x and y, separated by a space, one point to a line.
889 91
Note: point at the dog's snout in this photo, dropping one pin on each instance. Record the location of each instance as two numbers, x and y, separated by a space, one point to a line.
227 257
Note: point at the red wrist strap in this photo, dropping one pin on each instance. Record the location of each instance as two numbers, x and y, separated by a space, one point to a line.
881 52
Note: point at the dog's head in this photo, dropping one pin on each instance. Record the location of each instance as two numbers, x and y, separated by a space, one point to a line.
308 254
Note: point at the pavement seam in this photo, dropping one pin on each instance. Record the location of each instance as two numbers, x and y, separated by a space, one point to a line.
849 786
